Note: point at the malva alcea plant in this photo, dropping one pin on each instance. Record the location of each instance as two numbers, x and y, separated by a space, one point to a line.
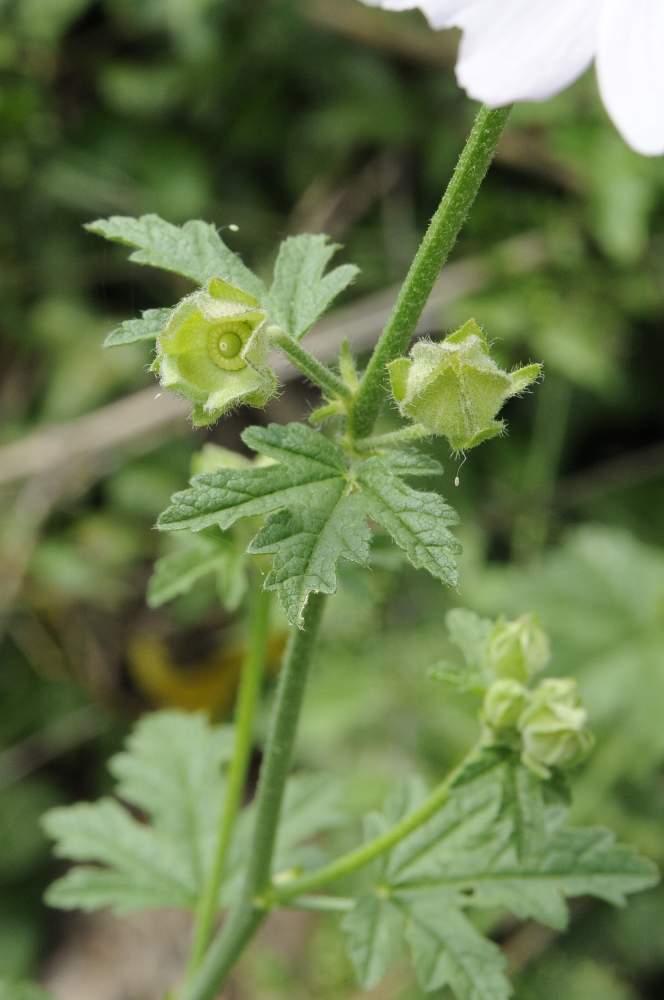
491 835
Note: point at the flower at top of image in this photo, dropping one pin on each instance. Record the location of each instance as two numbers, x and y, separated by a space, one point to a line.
529 50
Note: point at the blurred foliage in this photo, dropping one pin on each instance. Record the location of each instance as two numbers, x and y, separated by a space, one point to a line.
286 115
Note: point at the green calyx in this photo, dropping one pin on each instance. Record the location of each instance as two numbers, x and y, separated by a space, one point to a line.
547 725
455 389
553 727
517 649
213 351
504 703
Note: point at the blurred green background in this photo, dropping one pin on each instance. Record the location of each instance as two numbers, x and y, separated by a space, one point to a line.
283 116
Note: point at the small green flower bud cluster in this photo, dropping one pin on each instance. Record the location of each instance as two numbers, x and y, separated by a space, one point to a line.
455 389
213 351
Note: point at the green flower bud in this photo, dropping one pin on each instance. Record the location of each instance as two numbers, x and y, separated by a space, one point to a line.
517 649
553 727
504 702
455 388
214 352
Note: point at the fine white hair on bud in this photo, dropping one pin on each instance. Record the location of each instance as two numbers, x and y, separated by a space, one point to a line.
529 50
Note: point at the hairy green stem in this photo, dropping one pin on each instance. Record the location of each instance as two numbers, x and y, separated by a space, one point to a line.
304 361
350 862
433 251
244 919
248 694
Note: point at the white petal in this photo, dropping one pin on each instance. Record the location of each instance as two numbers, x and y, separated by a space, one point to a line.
630 69
438 12
516 50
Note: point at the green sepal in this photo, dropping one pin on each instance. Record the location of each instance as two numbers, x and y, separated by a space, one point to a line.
455 389
190 359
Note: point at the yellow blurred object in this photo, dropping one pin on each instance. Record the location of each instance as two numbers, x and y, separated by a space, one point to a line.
208 684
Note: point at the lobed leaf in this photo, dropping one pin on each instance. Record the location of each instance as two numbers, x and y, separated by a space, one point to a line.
147 327
373 931
176 573
500 841
447 950
320 507
194 250
306 544
418 522
301 291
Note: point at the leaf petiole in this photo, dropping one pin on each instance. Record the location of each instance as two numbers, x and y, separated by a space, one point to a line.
332 386
359 857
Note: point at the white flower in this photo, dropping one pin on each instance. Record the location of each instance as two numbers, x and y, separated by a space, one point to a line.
520 50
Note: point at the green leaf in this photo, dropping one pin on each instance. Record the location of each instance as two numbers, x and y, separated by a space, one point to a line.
306 544
418 522
176 573
301 291
144 869
150 324
194 250
171 771
321 506
449 951
373 931
500 841
308 463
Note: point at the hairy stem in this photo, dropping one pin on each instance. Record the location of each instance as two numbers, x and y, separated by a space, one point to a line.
363 855
310 366
250 685
245 918
433 251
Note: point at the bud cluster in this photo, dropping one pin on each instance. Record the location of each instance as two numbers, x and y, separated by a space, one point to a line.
548 723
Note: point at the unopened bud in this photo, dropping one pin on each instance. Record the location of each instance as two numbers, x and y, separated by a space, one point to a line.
518 649
504 703
553 727
455 389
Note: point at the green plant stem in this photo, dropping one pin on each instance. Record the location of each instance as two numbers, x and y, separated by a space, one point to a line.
304 361
250 685
433 251
363 855
244 919
394 439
